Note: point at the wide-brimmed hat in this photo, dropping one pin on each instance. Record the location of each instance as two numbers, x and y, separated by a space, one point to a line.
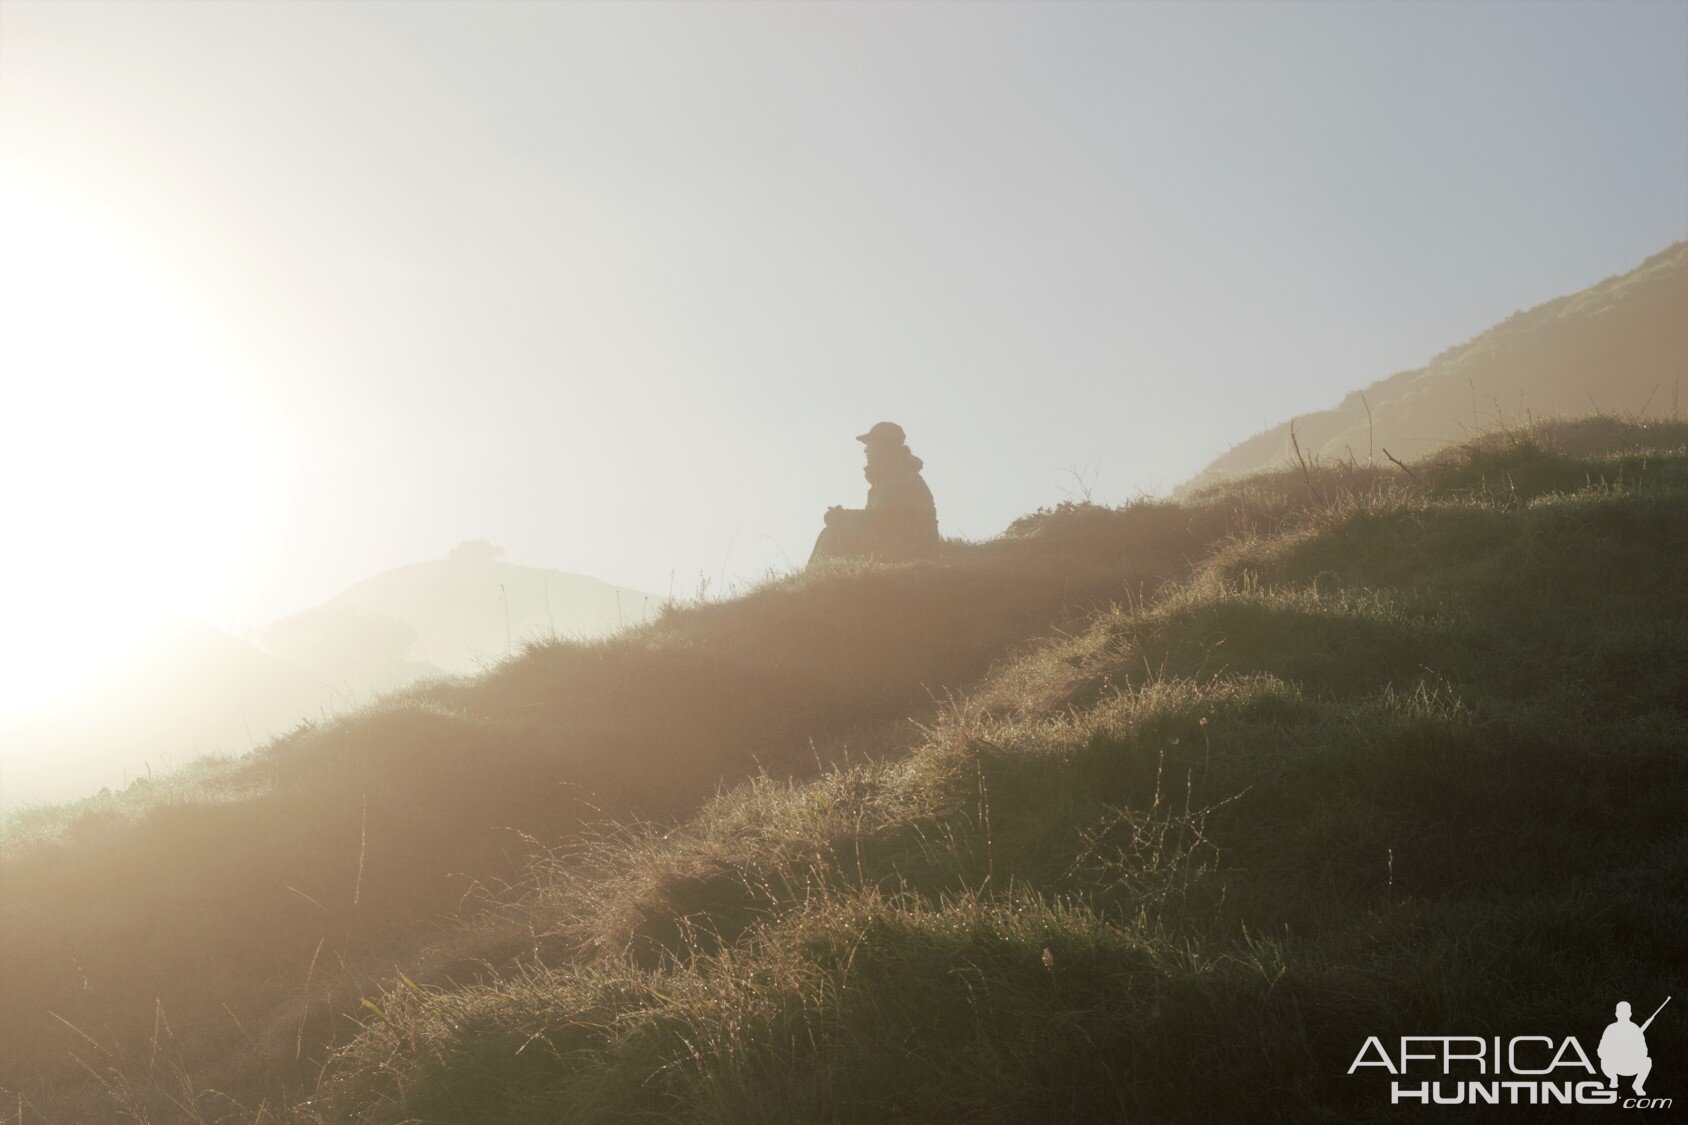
883 433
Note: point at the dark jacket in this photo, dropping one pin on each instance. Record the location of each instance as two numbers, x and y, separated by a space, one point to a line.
900 520
896 487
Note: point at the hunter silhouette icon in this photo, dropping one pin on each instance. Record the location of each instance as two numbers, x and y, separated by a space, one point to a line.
1623 1048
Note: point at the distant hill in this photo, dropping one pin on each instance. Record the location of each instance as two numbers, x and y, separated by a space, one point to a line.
194 690
1618 348
456 614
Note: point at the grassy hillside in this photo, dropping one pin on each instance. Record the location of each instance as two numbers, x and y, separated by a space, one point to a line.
246 905
1615 348
1201 795
1404 760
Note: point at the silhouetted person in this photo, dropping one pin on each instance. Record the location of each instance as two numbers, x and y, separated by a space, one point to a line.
900 520
1623 1049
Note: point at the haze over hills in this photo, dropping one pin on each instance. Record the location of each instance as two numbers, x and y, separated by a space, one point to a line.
1051 788
1223 778
193 689
1615 348
455 614
1262 798
190 690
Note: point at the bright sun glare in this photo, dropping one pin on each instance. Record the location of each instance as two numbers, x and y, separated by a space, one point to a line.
138 472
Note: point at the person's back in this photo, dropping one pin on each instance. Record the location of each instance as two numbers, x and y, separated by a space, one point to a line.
900 520
1624 1044
905 516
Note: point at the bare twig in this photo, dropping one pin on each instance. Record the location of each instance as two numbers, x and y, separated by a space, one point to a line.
363 850
1084 482
1399 463
1306 471
1642 413
1371 448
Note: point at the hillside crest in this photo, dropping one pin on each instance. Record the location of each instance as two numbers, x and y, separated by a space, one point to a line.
1614 348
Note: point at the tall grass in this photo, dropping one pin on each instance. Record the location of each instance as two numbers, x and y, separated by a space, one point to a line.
1141 813
1407 762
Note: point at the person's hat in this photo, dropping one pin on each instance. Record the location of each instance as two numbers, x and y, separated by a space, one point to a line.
883 433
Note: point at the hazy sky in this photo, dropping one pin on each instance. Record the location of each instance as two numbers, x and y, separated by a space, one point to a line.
302 291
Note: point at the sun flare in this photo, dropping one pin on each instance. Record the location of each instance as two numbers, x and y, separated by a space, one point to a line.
138 468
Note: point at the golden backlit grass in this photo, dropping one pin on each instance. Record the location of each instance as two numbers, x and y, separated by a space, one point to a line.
1197 789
